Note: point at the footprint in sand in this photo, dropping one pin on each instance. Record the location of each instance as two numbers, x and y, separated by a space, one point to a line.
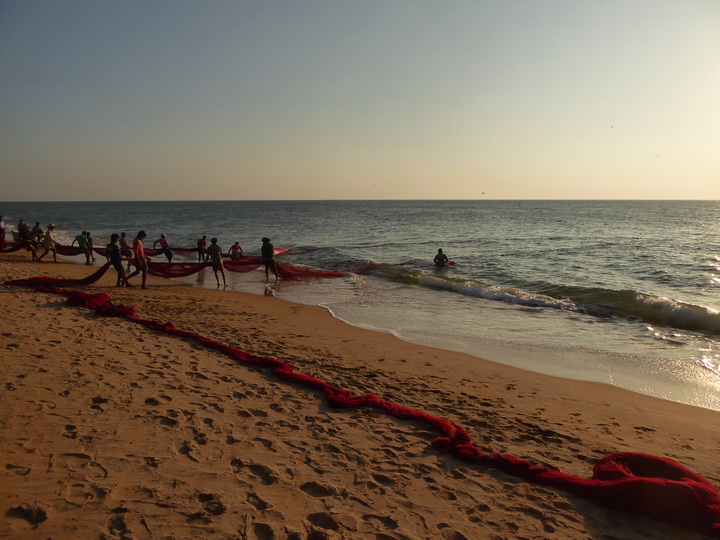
166 421
318 490
186 449
385 521
449 533
324 521
18 470
31 515
151 462
256 501
384 480
97 401
263 531
198 436
84 463
255 470
81 493
212 504
117 526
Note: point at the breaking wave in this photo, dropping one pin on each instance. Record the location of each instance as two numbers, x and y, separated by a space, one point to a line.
599 302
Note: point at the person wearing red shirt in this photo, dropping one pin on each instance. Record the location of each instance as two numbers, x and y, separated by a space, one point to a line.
140 258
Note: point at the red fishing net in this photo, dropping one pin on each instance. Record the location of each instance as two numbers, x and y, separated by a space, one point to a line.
639 483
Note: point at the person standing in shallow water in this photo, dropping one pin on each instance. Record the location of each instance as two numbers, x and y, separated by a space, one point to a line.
268 254
165 246
440 259
235 252
202 254
215 254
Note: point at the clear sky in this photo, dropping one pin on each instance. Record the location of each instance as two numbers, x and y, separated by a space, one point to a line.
371 99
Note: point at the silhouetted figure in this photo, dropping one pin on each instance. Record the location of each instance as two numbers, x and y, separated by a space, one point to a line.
440 259
165 246
215 253
268 254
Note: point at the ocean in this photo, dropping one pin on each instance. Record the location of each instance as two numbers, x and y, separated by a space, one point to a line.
619 292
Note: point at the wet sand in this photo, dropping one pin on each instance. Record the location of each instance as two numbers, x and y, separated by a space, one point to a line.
111 430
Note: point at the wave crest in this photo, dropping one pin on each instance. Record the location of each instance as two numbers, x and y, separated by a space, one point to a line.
597 302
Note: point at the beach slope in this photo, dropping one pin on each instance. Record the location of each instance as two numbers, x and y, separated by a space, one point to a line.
111 430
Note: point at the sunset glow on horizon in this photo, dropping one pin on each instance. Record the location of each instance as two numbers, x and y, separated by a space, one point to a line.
181 100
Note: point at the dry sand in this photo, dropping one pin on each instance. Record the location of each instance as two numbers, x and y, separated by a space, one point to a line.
110 430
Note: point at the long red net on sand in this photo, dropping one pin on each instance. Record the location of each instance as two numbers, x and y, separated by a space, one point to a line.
16 247
184 269
633 482
246 264
176 270
69 251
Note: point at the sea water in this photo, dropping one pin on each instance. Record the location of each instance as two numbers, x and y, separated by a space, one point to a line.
621 292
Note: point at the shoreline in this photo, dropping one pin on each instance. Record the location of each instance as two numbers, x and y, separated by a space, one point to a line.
667 382
274 454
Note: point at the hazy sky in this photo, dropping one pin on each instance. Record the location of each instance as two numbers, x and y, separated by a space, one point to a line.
371 99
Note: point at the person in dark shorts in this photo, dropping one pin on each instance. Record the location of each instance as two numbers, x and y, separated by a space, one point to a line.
48 242
37 233
91 245
165 246
267 251
125 250
141 264
82 243
202 253
215 254
112 252
26 240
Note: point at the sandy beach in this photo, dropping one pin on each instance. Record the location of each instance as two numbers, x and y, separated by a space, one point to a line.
111 430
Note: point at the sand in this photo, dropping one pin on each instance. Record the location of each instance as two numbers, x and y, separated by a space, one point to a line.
110 430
